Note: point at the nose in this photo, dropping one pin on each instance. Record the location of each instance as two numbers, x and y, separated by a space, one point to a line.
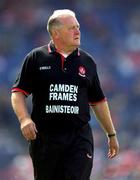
77 31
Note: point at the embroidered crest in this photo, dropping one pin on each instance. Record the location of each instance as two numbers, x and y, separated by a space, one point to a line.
82 71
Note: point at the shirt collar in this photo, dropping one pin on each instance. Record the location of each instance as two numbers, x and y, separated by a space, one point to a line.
52 49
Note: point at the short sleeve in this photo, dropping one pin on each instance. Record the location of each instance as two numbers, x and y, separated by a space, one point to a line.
26 77
95 92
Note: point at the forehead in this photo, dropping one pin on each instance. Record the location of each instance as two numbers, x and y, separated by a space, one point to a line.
68 20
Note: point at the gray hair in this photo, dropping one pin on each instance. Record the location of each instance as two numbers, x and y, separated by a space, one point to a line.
54 21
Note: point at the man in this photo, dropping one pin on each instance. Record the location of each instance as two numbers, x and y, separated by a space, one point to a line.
63 81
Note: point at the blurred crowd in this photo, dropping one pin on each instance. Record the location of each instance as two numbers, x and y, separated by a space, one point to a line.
111 33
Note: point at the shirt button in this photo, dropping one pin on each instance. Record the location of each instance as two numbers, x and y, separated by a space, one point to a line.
65 69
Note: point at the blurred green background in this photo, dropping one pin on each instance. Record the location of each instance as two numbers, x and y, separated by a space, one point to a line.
111 33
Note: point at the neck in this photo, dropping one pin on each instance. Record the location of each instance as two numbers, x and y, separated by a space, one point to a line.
64 49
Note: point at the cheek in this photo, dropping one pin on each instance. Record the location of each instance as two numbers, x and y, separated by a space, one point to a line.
68 36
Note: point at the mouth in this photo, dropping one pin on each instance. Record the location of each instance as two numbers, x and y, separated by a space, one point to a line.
77 38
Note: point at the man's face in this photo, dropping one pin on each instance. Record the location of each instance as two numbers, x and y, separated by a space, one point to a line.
69 32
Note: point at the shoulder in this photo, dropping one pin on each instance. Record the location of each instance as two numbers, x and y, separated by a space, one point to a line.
39 51
87 57
36 53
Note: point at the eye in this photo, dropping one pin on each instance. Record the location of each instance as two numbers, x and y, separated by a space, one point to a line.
75 27
78 27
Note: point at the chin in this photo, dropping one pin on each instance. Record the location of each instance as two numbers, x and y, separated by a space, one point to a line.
77 44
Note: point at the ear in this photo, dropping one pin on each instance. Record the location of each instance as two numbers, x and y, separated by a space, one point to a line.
55 33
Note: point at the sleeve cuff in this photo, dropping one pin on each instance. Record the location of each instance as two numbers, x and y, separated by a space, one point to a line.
94 103
20 90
